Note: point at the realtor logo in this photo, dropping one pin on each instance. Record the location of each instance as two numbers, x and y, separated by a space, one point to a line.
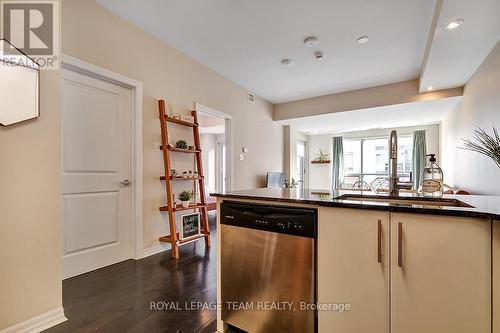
33 28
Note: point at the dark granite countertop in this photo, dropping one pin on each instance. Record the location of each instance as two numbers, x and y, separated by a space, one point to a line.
470 205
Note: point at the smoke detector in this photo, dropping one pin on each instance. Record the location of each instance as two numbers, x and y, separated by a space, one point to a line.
362 39
318 56
287 62
311 41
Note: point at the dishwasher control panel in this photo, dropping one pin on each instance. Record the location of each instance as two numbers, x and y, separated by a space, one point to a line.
280 219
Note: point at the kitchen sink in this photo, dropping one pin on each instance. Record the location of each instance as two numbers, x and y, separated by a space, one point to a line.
405 201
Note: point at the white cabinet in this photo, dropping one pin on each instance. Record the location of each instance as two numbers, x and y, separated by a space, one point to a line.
441 274
434 275
353 267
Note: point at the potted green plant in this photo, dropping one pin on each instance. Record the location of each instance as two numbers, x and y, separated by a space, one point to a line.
182 144
185 196
484 143
322 157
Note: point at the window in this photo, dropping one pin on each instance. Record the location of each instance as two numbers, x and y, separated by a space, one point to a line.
367 159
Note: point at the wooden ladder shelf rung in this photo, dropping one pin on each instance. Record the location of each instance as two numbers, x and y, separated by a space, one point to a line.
180 122
179 208
182 178
181 150
174 238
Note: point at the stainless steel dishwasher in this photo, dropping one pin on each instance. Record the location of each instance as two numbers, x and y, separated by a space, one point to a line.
268 267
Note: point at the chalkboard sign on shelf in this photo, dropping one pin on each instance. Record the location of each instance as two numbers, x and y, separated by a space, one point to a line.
190 225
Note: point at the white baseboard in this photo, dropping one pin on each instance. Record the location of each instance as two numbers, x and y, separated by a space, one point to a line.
155 249
38 323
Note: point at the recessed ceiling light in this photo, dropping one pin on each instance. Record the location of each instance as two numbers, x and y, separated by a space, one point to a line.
362 39
454 24
287 62
430 88
318 55
311 41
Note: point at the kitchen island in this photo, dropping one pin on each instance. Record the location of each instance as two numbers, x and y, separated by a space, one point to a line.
407 264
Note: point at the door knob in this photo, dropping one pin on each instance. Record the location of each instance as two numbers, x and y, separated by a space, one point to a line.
125 182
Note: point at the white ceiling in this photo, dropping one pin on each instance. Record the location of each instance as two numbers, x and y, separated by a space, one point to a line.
245 40
219 129
409 114
455 55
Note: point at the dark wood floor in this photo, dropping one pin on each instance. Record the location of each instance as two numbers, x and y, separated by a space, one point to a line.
117 298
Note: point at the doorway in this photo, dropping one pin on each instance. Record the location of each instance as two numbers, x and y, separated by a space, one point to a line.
213 137
100 178
221 167
301 164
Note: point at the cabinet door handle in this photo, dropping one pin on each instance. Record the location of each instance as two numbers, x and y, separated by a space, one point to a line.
400 244
379 241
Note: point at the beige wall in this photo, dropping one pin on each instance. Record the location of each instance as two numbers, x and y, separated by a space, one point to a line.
30 211
479 107
390 94
100 37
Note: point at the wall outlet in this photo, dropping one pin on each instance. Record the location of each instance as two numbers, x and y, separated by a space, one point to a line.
245 149
242 157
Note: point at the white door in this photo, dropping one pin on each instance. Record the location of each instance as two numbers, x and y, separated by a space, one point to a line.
96 158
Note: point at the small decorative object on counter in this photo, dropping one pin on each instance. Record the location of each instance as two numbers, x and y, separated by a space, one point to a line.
185 174
292 184
432 179
195 174
485 144
173 173
189 119
322 157
190 173
182 144
191 147
185 196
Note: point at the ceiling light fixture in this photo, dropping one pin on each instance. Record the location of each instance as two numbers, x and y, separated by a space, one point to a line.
287 62
430 88
318 56
362 39
311 41
454 24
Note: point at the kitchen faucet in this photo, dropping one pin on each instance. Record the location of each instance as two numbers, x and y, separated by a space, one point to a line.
394 184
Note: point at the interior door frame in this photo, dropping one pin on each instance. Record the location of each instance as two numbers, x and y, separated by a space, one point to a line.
220 153
136 88
229 140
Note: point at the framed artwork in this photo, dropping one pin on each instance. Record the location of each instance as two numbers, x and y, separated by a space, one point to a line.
190 225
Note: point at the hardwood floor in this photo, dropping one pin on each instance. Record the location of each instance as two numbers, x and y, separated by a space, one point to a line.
118 298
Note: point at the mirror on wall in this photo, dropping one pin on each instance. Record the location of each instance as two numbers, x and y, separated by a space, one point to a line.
19 85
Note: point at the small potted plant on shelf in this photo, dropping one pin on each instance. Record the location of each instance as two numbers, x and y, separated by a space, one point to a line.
185 196
322 157
173 173
182 144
